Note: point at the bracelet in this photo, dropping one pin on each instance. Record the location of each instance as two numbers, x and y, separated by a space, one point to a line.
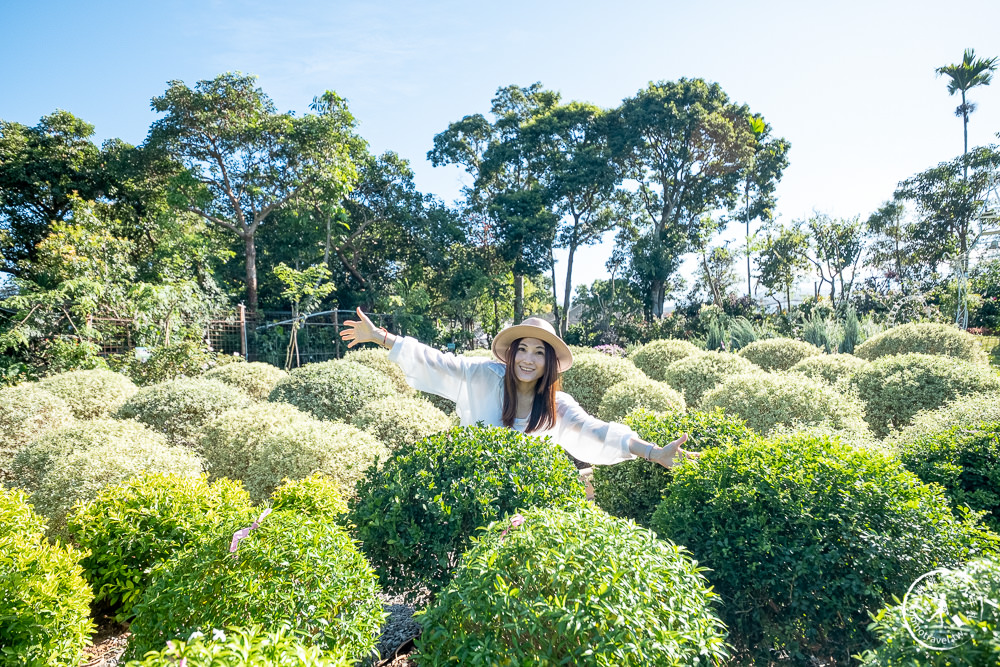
385 337
649 452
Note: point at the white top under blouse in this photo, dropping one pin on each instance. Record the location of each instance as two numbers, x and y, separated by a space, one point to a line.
476 386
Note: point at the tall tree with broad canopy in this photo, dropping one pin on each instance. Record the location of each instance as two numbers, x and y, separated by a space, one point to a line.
836 246
686 145
245 161
781 260
964 76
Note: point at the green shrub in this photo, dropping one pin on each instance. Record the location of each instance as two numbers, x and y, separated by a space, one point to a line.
185 359
568 587
970 641
694 376
399 421
414 516
592 374
894 388
804 536
479 353
181 408
923 338
377 359
137 524
291 569
633 489
778 354
249 647
830 368
316 496
44 601
90 394
445 405
964 411
767 400
654 357
27 411
256 378
229 443
333 390
624 397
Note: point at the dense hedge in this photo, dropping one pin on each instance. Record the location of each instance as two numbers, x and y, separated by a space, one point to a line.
181 408
131 527
923 338
27 411
414 516
377 359
291 569
964 411
633 489
333 390
896 387
768 400
569 587
694 376
316 496
804 537
642 393
44 601
831 368
654 357
592 374
778 354
256 378
91 394
399 421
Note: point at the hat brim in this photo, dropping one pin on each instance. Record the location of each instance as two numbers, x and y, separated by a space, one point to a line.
503 340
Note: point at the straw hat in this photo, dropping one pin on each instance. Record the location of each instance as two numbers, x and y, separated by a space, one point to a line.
533 327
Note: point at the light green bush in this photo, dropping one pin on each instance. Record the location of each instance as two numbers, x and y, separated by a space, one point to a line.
443 404
90 394
830 368
230 442
624 397
896 387
316 496
654 357
27 411
767 400
333 390
963 412
778 354
399 421
592 374
181 408
132 526
255 378
695 375
479 352
377 359
923 338
573 586
44 601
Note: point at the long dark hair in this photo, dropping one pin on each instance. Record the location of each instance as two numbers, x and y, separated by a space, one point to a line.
543 410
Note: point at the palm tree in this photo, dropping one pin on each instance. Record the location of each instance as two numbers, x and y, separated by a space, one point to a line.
968 74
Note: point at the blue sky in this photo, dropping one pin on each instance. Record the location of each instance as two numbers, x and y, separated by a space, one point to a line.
851 84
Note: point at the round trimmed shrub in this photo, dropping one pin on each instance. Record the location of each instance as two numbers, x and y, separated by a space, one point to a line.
255 378
44 601
333 390
972 590
694 376
592 374
573 586
767 400
181 408
965 411
654 357
633 489
445 405
480 352
91 394
400 421
293 570
896 387
811 535
377 359
27 411
414 516
778 354
316 496
830 368
923 338
623 398
131 527
244 647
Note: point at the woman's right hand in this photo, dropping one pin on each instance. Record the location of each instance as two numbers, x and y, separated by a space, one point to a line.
362 331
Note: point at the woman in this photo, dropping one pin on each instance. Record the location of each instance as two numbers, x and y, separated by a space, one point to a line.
521 391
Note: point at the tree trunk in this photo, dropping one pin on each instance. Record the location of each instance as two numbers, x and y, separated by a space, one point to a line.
788 298
716 299
569 281
251 262
965 135
518 298
657 289
560 327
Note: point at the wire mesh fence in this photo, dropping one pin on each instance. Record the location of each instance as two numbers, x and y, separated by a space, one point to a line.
318 336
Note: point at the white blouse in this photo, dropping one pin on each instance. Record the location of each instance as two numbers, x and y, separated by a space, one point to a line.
476 386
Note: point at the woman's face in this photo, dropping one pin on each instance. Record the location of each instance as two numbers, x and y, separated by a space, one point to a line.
529 361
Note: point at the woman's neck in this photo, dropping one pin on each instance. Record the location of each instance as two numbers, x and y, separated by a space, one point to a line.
525 399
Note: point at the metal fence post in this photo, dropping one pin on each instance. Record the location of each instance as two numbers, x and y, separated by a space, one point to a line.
243 331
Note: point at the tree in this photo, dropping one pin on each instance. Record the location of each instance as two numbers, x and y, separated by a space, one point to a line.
964 76
244 161
716 273
836 246
781 260
305 290
890 237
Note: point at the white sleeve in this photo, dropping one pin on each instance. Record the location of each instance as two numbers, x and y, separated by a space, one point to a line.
428 370
587 438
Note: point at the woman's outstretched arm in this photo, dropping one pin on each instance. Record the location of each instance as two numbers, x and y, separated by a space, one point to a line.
363 331
667 456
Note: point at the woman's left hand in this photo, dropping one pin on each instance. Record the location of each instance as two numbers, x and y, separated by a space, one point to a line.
672 454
